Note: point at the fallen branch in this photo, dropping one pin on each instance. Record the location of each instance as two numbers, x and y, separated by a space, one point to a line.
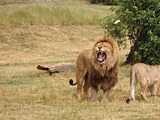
61 67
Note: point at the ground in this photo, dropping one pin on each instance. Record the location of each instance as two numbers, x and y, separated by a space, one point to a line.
27 93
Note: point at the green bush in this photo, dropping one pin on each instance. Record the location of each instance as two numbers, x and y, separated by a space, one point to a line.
139 22
106 2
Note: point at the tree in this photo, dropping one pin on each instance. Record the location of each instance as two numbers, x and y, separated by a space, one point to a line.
139 22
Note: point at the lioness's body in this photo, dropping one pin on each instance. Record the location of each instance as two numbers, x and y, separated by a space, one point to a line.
147 76
97 68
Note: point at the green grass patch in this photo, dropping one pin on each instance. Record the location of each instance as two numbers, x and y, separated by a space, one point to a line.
15 81
53 13
4 2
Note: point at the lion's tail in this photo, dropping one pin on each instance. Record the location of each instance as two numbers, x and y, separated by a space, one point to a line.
133 83
71 82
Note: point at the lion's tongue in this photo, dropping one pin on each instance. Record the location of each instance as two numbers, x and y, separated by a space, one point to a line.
100 57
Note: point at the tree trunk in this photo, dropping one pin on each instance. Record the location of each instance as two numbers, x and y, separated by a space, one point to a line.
131 56
61 67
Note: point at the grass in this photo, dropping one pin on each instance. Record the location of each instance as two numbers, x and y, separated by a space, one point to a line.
28 94
4 2
52 13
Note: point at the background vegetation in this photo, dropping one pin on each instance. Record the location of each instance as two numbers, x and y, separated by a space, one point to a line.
4 2
33 37
105 2
52 14
138 23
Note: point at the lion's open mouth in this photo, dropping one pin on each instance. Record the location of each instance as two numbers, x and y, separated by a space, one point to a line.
101 56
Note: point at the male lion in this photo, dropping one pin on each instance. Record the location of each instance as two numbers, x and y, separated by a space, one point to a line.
97 68
147 76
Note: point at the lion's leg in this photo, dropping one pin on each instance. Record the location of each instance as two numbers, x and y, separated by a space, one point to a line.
80 81
105 94
153 89
143 96
132 90
94 94
133 84
79 89
85 89
143 90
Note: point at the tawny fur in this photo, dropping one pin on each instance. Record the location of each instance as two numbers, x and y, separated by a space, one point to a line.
147 76
91 73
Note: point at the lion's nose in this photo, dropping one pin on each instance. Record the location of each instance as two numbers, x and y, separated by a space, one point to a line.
99 48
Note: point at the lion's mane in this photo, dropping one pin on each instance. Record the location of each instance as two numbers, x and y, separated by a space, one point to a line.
97 68
106 73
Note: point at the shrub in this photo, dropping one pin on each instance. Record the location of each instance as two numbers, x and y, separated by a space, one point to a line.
139 22
106 2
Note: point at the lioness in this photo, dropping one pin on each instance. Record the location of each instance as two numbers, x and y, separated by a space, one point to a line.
97 68
147 76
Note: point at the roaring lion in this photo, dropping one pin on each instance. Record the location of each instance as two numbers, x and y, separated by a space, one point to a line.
147 76
97 68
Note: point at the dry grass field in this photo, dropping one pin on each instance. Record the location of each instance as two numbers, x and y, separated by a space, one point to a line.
30 94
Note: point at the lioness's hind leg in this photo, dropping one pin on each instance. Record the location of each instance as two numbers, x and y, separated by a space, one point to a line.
143 91
153 89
